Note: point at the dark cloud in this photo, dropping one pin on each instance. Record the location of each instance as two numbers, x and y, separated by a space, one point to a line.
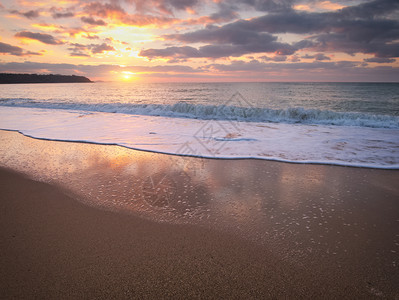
370 9
9 49
318 56
332 71
112 40
321 56
91 21
294 58
163 6
15 50
101 48
84 50
364 28
78 47
225 13
60 12
267 5
362 10
31 14
274 58
91 37
172 52
223 41
227 34
217 51
105 10
380 60
41 37
342 42
356 29
63 15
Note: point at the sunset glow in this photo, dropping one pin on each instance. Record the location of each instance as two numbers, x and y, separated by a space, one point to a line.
191 40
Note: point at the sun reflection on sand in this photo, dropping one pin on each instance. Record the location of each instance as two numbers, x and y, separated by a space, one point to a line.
300 208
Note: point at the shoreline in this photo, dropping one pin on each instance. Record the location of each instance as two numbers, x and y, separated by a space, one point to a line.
395 167
213 228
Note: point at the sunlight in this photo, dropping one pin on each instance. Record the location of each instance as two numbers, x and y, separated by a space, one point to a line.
128 76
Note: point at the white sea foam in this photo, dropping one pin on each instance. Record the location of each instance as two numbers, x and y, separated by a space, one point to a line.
296 115
341 145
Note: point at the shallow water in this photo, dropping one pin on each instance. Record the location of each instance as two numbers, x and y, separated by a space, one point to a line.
352 124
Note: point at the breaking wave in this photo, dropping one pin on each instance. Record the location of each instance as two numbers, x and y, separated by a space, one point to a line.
295 115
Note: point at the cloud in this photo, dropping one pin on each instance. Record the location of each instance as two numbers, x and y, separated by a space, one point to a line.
321 56
234 39
63 15
101 48
60 12
112 40
41 37
15 50
354 29
218 51
267 5
274 58
364 28
163 6
31 14
73 31
79 54
83 50
380 60
317 70
315 6
91 21
221 16
80 31
318 56
9 49
78 49
91 37
370 9
257 66
115 12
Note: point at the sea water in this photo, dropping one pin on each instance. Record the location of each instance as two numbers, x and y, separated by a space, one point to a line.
350 124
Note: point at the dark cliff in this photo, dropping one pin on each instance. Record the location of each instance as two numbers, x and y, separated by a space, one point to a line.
38 78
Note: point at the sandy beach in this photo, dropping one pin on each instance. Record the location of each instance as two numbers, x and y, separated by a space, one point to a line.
92 221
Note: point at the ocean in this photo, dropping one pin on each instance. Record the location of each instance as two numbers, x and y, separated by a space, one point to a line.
348 124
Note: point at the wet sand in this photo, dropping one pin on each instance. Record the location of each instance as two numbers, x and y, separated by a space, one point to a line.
306 231
54 247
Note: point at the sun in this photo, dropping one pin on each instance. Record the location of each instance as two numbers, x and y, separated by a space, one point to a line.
128 76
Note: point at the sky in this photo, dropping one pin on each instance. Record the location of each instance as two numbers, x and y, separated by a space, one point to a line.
202 41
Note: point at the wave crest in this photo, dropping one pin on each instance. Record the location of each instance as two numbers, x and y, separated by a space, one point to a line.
295 115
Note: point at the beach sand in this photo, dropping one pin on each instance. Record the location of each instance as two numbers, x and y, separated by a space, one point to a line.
116 223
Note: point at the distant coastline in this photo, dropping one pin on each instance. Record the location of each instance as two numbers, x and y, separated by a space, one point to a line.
6 78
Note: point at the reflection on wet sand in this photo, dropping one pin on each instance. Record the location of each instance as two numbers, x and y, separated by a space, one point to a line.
302 210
